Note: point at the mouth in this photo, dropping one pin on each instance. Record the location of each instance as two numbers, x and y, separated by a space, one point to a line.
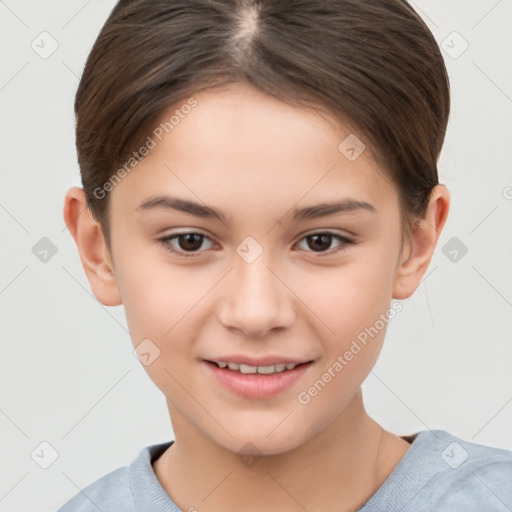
261 380
263 369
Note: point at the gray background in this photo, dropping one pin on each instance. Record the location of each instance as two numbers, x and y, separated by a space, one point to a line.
68 374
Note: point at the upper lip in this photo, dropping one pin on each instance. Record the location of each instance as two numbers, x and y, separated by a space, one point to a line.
258 361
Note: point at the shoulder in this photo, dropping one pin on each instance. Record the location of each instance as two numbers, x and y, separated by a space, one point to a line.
445 473
118 491
109 493
473 474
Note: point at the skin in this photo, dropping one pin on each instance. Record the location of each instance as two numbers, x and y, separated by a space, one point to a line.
256 159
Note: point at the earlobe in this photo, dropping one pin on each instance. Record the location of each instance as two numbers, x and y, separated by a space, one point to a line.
92 248
422 244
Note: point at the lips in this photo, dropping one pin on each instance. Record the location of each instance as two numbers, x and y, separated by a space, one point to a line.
256 378
257 361
265 369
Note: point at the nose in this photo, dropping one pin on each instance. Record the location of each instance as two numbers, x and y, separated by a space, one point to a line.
255 299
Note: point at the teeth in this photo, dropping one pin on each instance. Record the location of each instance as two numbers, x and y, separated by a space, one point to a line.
268 369
245 368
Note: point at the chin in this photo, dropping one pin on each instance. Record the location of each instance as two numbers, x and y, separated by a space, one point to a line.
258 442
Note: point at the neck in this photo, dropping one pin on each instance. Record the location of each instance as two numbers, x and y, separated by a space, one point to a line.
346 463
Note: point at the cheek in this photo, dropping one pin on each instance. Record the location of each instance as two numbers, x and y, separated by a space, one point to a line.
351 303
347 298
165 302
163 305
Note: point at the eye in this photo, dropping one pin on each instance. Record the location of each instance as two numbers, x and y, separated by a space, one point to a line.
319 242
188 243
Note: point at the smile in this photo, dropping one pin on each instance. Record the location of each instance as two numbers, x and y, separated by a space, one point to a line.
257 381
245 368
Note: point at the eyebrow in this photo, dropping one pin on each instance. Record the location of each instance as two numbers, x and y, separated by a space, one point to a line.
201 210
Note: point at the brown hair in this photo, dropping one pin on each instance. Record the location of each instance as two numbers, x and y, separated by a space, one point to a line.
372 63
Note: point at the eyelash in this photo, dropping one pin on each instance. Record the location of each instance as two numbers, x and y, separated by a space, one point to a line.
165 243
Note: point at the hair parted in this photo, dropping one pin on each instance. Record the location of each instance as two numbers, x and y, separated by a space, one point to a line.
373 64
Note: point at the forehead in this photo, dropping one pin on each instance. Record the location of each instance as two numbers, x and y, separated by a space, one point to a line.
240 144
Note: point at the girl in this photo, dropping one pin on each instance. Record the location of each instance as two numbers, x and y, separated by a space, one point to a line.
260 192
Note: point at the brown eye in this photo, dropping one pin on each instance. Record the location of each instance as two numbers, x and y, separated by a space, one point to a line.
321 242
188 243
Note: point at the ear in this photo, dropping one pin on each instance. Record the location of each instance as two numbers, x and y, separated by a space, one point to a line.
423 241
92 248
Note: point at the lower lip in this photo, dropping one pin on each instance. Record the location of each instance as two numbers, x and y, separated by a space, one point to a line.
257 385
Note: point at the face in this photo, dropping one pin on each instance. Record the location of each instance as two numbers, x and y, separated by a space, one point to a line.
269 279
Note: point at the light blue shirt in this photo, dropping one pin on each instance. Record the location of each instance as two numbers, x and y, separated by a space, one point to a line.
439 472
